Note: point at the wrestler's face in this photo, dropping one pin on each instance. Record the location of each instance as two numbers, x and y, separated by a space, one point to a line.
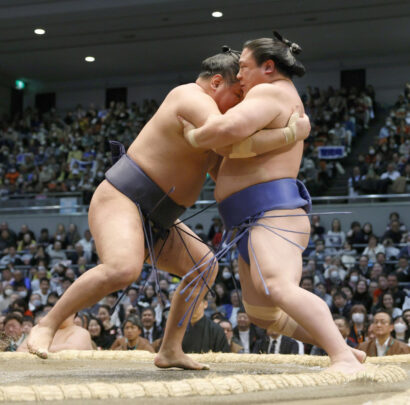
131 331
250 74
227 95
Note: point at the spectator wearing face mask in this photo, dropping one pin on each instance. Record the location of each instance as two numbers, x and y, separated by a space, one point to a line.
401 330
358 318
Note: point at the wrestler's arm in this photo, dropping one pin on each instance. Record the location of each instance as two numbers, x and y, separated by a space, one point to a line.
267 140
255 112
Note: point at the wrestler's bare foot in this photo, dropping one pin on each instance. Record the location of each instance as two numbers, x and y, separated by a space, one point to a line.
359 354
39 340
345 362
169 358
346 367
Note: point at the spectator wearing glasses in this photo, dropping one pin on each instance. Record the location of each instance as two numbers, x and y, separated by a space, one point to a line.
383 344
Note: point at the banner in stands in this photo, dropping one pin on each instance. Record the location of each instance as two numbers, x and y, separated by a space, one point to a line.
331 152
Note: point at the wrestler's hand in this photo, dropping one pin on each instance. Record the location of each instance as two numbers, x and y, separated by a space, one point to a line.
224 151
187 128
302 125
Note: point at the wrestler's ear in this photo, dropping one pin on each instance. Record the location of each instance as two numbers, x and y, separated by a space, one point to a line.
269 66
216 81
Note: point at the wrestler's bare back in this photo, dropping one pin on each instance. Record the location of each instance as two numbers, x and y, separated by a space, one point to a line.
162 152
237 174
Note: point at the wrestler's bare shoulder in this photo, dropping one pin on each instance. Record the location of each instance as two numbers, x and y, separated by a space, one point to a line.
277 89
189 90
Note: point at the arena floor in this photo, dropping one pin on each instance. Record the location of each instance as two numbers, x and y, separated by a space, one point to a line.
131 378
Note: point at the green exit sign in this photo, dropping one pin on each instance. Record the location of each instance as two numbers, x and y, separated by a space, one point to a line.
20 85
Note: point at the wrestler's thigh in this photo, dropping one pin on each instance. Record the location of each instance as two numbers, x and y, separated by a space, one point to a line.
277 257
251 296
249 292
116 227
182 250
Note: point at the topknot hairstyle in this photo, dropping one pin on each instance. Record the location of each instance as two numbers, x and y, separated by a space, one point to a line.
225 63
281 51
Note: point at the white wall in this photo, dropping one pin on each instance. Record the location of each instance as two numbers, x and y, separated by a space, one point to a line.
69 94
388 75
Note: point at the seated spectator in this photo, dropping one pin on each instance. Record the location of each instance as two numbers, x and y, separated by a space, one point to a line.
340 305
6 297
344 328
87 242
405 250
373 247
132 339
348 291
395 216
101 340
68 337
334 275
104 315
320 291
354 182
203 335
25 243
13 329
355 235
23 230
382 287
44 238
348 255
35 303
233 342
362 296
386 303
246 332
383 344
319 253
27 325
72 235
392 252
402 270
274 343
363 265
335 237
317 229
151 331
148 298
401 330
56 253
359 321
367 231
40 257
11 258
222 297
44 290
398 295
394 233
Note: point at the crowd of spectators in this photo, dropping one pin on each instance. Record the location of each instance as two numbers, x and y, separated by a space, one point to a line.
357 273
386 166
59 153
337 118
70 152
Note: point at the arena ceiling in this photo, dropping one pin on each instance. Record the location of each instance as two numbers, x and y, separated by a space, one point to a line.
135 37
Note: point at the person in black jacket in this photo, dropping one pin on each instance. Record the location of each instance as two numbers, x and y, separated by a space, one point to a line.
203 335
276 344
246 332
